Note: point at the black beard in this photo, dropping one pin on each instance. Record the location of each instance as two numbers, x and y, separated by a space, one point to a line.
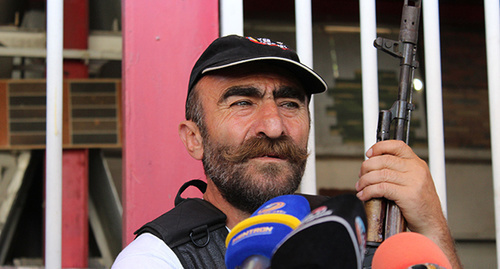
247 186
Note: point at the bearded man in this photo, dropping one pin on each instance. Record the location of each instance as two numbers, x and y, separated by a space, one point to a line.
248 121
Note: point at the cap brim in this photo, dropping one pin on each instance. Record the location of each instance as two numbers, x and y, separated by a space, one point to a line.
311 81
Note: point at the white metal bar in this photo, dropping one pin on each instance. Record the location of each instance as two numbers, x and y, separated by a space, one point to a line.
53 209
369 71
304 37
433 87
492 23
231 17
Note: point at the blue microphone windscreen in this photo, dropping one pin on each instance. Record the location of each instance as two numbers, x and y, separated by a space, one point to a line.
265 228
258 239
295 205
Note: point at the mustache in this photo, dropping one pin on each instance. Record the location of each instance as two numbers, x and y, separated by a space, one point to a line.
282 147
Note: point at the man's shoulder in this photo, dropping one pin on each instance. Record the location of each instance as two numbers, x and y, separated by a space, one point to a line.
146 251
186 217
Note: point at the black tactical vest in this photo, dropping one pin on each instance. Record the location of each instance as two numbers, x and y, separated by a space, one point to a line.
196 230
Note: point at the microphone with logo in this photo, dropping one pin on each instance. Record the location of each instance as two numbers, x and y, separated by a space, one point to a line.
331 236
250 243
409 250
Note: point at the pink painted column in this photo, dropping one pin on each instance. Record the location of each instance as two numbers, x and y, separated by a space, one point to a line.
162 40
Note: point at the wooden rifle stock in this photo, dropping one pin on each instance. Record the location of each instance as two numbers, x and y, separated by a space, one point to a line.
384 216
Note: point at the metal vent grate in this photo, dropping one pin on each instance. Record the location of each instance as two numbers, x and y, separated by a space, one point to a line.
94 111
91 113
27 113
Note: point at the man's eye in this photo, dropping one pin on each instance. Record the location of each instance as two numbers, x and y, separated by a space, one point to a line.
290 105
242 103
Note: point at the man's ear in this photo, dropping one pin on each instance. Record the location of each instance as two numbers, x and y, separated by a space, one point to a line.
191 137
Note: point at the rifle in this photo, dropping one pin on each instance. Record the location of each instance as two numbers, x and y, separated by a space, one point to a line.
384 216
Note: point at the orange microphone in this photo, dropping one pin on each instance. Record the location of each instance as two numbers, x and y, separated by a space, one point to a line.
409 250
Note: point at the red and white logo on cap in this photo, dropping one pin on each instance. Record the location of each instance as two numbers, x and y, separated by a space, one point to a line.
268 42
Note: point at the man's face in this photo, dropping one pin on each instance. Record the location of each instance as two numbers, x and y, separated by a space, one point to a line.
255 138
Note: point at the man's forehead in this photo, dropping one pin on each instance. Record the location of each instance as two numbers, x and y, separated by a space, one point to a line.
251 84
277 91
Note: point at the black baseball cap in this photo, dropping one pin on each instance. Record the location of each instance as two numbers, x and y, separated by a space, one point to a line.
234 50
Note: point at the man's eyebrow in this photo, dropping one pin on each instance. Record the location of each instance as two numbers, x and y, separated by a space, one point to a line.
290 92
241 91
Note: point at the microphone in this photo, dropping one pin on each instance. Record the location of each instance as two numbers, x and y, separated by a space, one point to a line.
331 236
251 242
409 250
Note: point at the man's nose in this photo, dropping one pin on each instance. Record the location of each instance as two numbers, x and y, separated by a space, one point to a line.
270 121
